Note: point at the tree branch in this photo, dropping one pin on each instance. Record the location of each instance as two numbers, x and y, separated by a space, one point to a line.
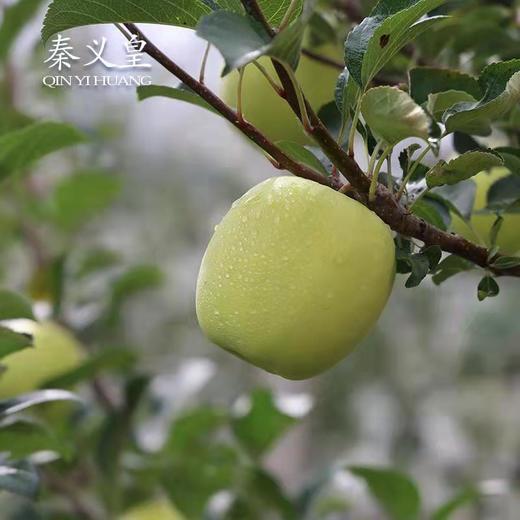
384 204
379 80
283 160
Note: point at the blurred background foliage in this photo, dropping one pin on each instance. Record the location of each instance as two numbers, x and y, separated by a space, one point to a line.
106 237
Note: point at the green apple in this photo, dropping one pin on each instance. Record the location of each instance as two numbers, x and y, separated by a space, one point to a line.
153 510
295 275
509 236
264 108
55 352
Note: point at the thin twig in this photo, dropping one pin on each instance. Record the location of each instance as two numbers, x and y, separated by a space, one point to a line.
379 80
325 60
263 71
240 110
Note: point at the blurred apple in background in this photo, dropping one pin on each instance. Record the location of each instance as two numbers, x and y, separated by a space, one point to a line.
154 510
264 108
55 352
509 236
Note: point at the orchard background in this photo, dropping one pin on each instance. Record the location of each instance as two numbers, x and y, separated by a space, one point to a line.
107 205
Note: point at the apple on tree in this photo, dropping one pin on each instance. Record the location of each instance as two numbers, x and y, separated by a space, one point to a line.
294 277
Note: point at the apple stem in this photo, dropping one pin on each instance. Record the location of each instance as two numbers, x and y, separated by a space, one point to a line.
373 158
302 105
353 128
240 112
411 171
204 63
279 90
389 177
375 174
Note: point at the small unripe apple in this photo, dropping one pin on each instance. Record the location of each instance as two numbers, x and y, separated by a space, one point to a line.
295 275
55 352
265 109
508 239
153 510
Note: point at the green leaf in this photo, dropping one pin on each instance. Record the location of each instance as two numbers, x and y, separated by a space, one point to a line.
111 360
274 10
441 102
66 14
321 30
446 511
82 196
302 155
14 306
396 493
430 80
20 148
460 197
261 496
406 157
501 84
194 477
21 438
506 262
449 267
487 288
25 401
346 95
390 26
15 17
181 93
134 280
12 119
495 230
420 265
116 428
11 342
511 158
504 193
193 428
20 479
242 40
95 260
465 143
262 424
393 115
462 168
433 211
434 255
199 464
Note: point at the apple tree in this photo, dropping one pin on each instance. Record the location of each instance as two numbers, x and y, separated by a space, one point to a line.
399 121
